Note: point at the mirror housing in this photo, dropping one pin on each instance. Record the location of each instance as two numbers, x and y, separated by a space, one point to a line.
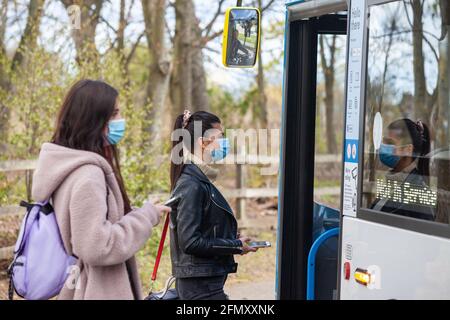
241 37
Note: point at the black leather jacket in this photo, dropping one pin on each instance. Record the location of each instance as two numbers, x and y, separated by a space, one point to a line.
203 229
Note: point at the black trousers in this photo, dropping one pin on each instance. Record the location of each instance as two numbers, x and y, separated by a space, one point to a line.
201 288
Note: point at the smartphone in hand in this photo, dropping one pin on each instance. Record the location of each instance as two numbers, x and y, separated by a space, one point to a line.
171 201
259 244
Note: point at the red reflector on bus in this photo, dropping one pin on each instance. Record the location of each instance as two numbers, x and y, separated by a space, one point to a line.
347 270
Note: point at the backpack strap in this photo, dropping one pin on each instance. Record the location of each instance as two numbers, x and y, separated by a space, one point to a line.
45 209
10 272
11 289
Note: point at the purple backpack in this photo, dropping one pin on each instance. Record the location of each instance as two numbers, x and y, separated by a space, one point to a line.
41 265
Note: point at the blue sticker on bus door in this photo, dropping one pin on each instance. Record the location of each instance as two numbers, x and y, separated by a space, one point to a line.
351 151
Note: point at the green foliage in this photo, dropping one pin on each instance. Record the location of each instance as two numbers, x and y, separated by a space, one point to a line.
37 90
227 105
250 101
37 93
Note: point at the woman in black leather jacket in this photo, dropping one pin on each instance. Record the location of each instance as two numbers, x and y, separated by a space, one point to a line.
204 234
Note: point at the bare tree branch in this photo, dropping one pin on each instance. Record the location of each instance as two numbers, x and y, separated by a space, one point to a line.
106 22
216 34
210 24
127 19
170 33
267 6
212 49
133 49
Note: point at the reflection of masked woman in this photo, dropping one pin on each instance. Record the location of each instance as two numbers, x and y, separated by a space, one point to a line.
404 151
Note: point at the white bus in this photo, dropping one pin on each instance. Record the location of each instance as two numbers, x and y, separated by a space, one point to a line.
394 234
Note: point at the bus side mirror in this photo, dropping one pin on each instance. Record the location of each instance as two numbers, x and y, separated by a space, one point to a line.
241 34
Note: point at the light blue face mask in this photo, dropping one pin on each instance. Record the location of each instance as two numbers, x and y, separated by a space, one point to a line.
116 130
387 156
222 151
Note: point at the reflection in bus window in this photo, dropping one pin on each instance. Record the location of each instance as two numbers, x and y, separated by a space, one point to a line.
404 189
242 37
407 135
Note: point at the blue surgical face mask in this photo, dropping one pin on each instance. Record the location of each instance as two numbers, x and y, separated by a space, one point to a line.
222 151
116 130
387 156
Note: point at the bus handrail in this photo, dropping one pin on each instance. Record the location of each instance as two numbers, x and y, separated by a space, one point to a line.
311 270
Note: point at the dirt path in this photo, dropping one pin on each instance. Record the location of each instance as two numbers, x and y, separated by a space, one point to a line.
254 290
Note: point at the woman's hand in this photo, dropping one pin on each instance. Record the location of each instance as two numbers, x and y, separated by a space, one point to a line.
160 209
245 248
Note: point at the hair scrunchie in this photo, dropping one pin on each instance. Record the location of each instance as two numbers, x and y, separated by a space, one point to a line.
186 116
420 126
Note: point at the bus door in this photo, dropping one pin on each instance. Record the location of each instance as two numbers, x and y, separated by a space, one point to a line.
312 139
395 235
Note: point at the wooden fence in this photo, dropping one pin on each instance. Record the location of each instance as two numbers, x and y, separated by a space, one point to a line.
241 193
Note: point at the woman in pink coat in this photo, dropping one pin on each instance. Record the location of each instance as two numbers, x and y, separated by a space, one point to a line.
80 172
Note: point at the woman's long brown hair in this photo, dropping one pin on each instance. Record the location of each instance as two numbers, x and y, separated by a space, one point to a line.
83 116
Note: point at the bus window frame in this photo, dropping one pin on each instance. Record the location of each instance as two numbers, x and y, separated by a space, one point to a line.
388 219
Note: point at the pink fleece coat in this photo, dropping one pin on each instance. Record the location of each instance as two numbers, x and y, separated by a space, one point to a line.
98 233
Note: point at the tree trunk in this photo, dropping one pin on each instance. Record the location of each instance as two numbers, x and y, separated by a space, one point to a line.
420 89
181 84
425 104
121 35
29 37
159 67
4 77
200 99
3 20
444 88
260 80
444 77
188 87
84 37
329 75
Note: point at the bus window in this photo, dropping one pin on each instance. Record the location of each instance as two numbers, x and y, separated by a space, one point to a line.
407 135
329 118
